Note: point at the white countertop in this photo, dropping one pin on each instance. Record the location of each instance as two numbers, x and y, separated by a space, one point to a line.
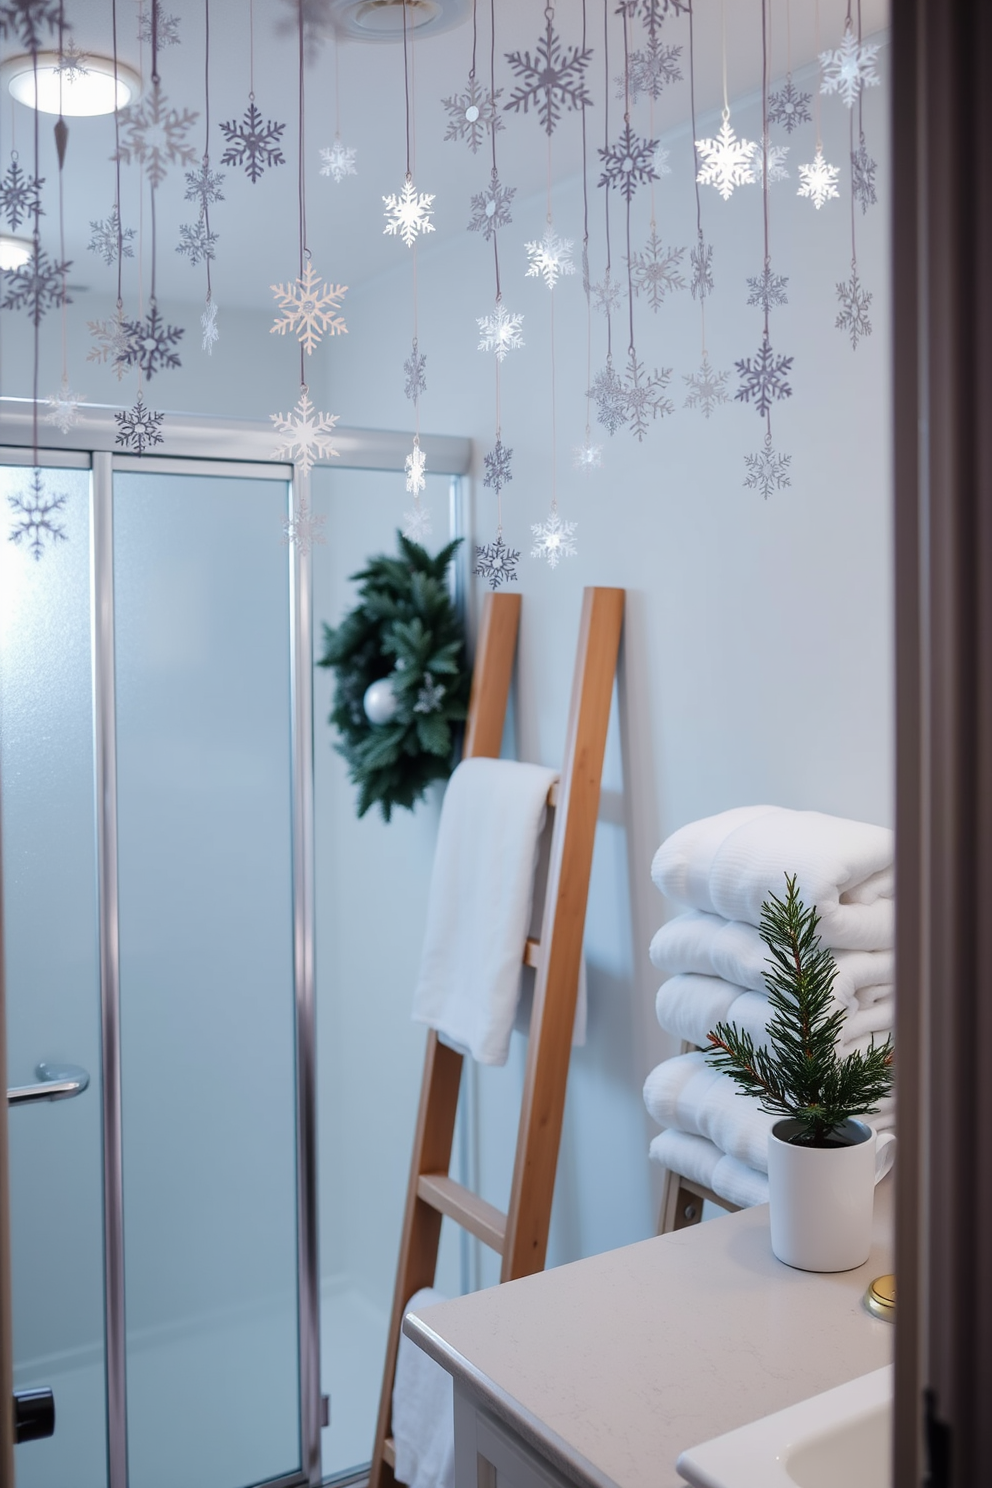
610 1367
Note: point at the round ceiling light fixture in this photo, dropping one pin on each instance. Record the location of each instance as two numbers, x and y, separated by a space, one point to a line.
70 91
14 252
383 20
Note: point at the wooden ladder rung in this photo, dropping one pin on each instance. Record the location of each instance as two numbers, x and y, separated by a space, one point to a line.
481 1219
389 1451
532 952
553 793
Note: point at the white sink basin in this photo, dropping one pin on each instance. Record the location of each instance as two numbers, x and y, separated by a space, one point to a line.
839 1437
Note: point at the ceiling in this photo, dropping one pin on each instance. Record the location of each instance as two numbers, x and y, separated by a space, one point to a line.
257 224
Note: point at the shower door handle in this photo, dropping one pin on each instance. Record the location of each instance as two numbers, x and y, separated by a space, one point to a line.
58 1082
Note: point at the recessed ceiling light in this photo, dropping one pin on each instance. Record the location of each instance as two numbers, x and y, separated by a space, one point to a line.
383 20
78 94
14 252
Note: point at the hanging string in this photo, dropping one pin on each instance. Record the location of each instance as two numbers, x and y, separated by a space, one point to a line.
155 76
585 252
337 90
304 250
155 81
626 120
37 250
117 156
554 416
406 93
495 173
475 39
764 178
816 100
695 180
251 50
606 194
65 365
206 136
723 52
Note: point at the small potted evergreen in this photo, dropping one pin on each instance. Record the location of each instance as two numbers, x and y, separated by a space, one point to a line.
822 1161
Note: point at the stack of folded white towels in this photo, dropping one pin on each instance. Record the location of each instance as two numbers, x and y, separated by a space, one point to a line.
721 870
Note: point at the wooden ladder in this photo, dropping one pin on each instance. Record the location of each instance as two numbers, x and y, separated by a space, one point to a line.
683 1198
520 1236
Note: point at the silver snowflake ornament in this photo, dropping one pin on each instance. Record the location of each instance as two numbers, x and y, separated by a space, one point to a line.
767 289
497 463
629 163
775 156
767 470
430 697
63 407
151 343
553 540
304 529
496 563
587 456
196 241
657 271
37 286
701 258
408 214
417 523
553 80
473 114
725 161
154 135
203 185
304 434
607 394
818 180
138 428
20 194
338 161
650 70
110 239
415 466
854 301
789 107
36 516
863 170
72 62
166 26
491 208
653 12
549 258
110 343
643 395
310 307
415 368
707 388
607 293
253 142
208 327
850 68
764 378
500 332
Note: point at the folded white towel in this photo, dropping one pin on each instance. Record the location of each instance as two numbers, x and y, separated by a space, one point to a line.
729 863
690 1005
709 944
423 1411
695 1158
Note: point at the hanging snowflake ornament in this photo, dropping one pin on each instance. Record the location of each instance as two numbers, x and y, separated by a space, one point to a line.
553 80
767 289
764 378
789 107
36 516
607 394
166 26
415 368
196 241
496 563
767 470
550 258
203 185
110 343
707 388
863 170
657 271
72 62
253 142
305 528
151 343
701 258
20 194
417 523
311 308
36 286
653 12
473 114
63 407
818 180
628 164
608 293
650 70
491 208
587 456
430 697
643 395
208 327
554 540
154 135
726 161
108 238
497 463
775 155
408 214
854 301
415 466
850 68
27 21
338 161
500 332
138 428
304 434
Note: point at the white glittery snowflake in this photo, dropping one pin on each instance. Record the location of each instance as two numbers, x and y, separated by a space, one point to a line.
304 434
311 308
208 326
550 258
108 236
415 466
850 68
707 388
415 368
196 241
430 697
111 343
408 214
767 289
496 563
629 163
701 258
608 293
203 185
551 80
497 463
587 456
854 302
417 523
305 528
650 70
154 135
500 332
36 518
553 539
656 270
138 427
818 180
776 161
767 470
63 407
863 170
726 161
491 208
338 160
764 378
789 107
473 114
607 394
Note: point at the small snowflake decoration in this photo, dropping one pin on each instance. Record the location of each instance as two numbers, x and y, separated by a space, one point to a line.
707 388
473 114
607 394
644 395
587 456
37 286
430 697
608 293
491 208
63 407
553 540
108 237
863 170
72 62
154 135
20 194
415 368
629 163
768 289
500 332
338 161
196 241
253 143
497 463
650 70
417 523
311 308
408 214
854 302
553 80
138 428
818 180
110 343
150 343
789 107
415 466
550 258
653 12
701 258
304 529
27 21
726 161
764 378
304 434
36 518
767 471
657 270
776 161
208 327
203 186
496 563
166 26
850 68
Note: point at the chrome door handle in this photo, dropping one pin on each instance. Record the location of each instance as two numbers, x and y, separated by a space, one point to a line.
58 1082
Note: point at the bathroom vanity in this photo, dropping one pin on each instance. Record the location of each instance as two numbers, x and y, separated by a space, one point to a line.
602 1372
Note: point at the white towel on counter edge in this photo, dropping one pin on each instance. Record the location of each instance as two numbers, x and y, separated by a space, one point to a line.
729 863
695 1158
423 1411
690 1005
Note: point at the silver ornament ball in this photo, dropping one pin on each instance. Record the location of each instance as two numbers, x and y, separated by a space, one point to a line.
380 701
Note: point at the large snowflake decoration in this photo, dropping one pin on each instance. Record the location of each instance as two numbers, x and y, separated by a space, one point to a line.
767 289
764 378
417 523
726 161
491 208
154 135
767 470
150 343
36 518
139 427
63 407
415 466
608 293
701 258
472 114
553 540
497 463
650 69
850 68
629 163
607 394
311 308
304 434
500 332
72 62
415 368
37 286
818 180
644 395
789 107
496 563
20 194
854 301
552 80
408 214
430 697
253 143
776 161
863 170
110 343
203 185
338 161
305 528
208 327
550 258
28 20
166 26
109 238
707 388
656 270
196 241
587 456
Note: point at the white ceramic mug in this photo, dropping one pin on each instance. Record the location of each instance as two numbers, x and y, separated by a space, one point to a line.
822 1199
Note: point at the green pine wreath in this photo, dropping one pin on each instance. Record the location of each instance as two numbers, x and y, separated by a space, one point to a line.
404 627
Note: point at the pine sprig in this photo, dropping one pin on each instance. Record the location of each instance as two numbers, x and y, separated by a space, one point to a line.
800 1073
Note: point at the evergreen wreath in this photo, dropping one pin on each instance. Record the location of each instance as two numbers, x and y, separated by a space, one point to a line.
405 628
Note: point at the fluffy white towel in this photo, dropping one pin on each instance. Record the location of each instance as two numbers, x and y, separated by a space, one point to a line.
423 1411
479 908
728 864
709 944
694 1157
